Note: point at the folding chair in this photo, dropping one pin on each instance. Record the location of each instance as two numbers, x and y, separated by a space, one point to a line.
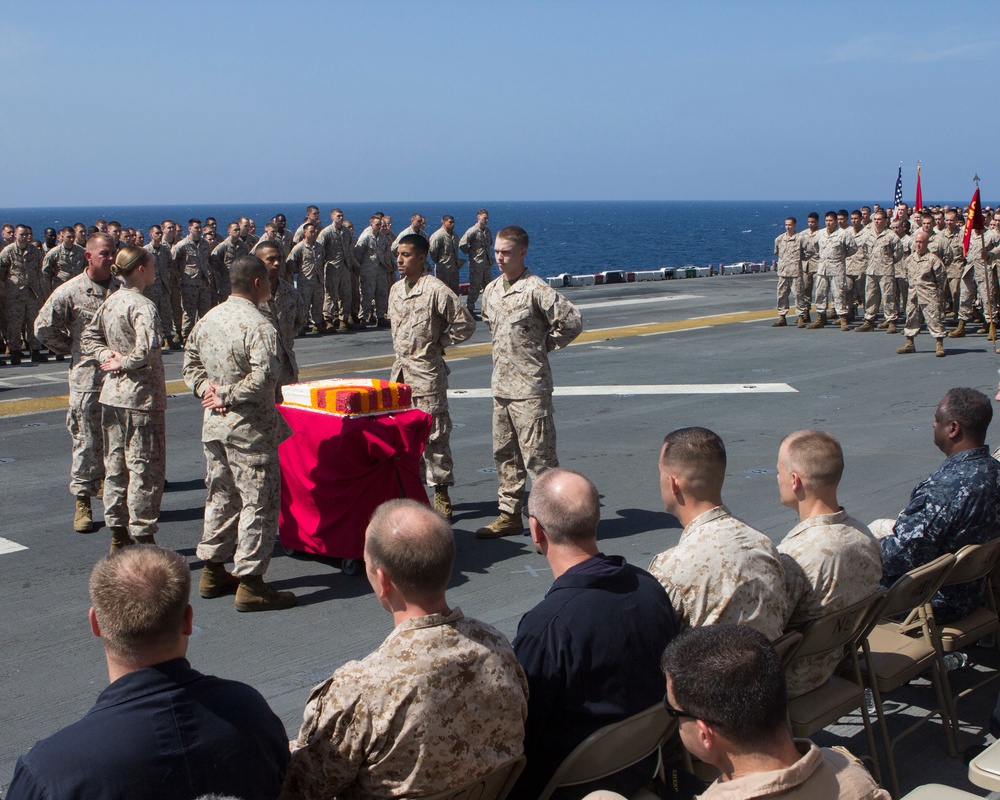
494 786
613 748
893 657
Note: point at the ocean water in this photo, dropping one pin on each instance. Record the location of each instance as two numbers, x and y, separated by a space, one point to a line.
574 237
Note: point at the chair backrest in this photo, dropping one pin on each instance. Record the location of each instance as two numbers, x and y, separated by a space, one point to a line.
495 786
835 630
613 748
974 561
917 586
785 644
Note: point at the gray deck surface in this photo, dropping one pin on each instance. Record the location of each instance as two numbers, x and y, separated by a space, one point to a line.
878 404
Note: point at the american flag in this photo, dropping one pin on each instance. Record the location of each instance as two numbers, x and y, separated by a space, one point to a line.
897 199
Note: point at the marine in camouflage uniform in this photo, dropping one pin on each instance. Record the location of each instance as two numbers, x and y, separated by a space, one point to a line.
981 252
788 247
191 258
857 263
306 262
440 704
223 255
830 561
287 313
724 571
60 324
159 290
477 243
135 406
335 239
831 276
235 348
884 251
950 242
21 275
444 253
527 320
959 504
810 253
62 262
927 280
372 253
426 319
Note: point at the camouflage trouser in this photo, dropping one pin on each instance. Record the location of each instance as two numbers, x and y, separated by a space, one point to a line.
438 466
831 287
135 462
920 310
524 443
161 299
369 280
83 421
222 287
902 292
312 298
448 276
337 293
241 509
855 291
954 294
356 293
384 279
196 300
176 309
791 284
973 286
22 308
880 290
479 276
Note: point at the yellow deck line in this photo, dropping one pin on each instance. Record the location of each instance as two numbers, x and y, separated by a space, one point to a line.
20 408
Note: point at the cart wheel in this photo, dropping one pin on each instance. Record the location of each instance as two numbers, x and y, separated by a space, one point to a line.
288 551
352 566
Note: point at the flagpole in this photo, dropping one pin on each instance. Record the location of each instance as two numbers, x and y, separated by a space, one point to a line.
988 300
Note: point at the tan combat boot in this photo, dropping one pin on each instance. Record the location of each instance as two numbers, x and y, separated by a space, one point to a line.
779 323
865 327
442 502
844 324
819 323
215 581
506 524
939 348
83 519
807 318
907 348
883 325
120 538
959 332
255 595
891 327
801 322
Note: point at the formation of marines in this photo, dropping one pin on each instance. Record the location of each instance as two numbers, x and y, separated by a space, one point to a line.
912 267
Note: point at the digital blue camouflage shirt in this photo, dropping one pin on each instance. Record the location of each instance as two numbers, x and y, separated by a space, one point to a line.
955 506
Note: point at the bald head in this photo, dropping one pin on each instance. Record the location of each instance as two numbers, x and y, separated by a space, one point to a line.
567 506
413 546
97 241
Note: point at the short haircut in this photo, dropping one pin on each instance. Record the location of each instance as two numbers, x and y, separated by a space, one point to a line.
99 236
792 220
114 224
515 235
66 229
971 409
129 259
139 596
447 218
311 208
566 517
414 218
843 213
730 677
813 215
816 456
336 211
244 270
417 242
866 208
413 545
482 211
194 222
879 214
699 455
829 214
309 226
154 227
264 244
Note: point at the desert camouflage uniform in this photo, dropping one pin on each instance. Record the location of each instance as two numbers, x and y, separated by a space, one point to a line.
306 262
834 248
959 504
277 240
724 571
927 279
831 562
373 254
789 249
884 252
135 406
336 273
300 231
223 255
424 322
974 274
394 247
60 264
855 269
191 260
287 313
954 262
810 252
236 348
441 703
159 290
478 245
60 324
444 253
527 320
21 273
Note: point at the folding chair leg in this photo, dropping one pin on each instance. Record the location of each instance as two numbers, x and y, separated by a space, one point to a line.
946 702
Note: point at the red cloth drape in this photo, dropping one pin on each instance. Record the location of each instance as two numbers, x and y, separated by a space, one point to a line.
335 471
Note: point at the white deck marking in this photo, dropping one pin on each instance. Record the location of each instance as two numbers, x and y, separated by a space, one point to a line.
638 301
7 546
683 330
647 389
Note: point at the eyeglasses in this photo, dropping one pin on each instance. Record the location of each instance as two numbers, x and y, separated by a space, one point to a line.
676 713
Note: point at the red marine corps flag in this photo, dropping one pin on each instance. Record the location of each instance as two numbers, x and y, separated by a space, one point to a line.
919 202
973 220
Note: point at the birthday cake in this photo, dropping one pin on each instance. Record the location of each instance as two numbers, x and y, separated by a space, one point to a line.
349 396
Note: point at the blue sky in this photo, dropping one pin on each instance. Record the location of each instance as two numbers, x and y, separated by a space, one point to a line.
229 102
